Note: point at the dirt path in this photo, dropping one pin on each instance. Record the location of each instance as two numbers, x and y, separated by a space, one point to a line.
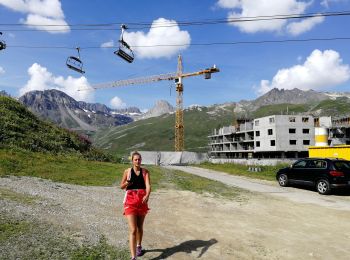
185 225
272 188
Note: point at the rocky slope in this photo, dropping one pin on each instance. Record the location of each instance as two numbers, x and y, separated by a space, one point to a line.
281 96
58 107
160 108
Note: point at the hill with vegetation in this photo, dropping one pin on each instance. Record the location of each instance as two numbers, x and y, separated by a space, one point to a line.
19 128
157 134
58 107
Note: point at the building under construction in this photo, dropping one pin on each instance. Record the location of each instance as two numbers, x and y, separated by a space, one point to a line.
278 136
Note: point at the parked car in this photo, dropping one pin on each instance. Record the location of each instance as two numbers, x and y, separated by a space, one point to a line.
323 173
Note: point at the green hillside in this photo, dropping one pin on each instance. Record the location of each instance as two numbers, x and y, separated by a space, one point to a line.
337 107
19 128
280 109
157 134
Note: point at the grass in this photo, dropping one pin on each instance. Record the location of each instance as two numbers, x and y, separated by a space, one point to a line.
24 239
77 170
17 197
12 228
21 128
183 181
59 168
267 172
337 107
278 109
157 134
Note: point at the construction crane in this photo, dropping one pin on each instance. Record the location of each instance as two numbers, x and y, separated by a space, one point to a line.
177 77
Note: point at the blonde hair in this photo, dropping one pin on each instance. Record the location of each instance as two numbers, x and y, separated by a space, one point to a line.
134 154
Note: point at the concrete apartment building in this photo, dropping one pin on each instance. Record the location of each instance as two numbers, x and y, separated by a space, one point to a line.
276 136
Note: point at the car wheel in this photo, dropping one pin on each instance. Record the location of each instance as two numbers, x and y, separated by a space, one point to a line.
283 180
323 187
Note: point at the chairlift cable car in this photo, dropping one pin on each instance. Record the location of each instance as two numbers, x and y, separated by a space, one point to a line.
75 63
124 50
2 44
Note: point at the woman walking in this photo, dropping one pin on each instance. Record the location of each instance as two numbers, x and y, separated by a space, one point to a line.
136 182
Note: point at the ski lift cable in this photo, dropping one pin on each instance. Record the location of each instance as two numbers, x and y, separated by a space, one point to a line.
179 23
190 44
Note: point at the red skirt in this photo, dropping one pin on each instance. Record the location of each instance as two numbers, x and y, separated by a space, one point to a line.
133 203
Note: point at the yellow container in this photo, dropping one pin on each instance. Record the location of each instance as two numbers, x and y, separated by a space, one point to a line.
341 152
321 136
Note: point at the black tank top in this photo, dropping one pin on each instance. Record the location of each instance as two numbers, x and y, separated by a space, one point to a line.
138 182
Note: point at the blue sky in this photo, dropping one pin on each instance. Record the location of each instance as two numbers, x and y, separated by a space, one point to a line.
35 56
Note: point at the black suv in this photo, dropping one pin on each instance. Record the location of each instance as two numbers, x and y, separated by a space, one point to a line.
324 174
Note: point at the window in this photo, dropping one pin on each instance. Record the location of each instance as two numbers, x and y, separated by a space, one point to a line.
292 142
321 164
292 119
311 164
341 165
257 133
306 131
305 119
306 142
257 144
269 132
299 164
273 143
292 130
256 122
272 120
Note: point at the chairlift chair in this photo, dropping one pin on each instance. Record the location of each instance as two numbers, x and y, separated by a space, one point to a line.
207 75
74 63
124 50
2 44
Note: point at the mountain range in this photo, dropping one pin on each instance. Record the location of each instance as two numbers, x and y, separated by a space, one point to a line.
199 121
58 107
121 131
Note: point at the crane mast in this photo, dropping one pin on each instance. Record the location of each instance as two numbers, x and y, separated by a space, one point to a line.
177 77
179 116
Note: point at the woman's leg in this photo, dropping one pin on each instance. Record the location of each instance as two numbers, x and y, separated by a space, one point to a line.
132 222
139 233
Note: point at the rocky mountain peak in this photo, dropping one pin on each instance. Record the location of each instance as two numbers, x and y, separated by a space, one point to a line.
290 96
160 108
58 107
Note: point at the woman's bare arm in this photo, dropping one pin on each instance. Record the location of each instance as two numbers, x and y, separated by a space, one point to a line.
123 182
148 186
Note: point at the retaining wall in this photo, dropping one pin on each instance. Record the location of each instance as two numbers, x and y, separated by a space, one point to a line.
172 158
184 158
262 162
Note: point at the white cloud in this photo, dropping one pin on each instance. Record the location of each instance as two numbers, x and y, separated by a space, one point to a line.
39 22
159 34
42 79
321 70
229 3
50 8
117 103
2 70
253 8
305 25
326 3
107 44
40 13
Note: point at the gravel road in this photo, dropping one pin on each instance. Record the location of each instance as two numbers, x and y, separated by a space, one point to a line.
267 222
272 188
